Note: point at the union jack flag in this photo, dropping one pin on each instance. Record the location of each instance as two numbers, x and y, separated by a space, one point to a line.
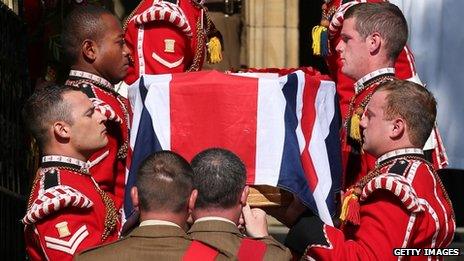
285 129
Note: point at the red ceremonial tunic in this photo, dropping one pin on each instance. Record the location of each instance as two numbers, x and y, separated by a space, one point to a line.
67 212
403 204
355 162
109 164
404 69
404 64
167 37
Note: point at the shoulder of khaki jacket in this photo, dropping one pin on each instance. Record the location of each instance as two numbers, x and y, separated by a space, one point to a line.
92 252
274 249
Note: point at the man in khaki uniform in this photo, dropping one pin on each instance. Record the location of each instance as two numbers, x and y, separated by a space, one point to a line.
163 194
219 177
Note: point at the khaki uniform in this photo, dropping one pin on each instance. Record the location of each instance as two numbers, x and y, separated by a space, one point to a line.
226 238
155 242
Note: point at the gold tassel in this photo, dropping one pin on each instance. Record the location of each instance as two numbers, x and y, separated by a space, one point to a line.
350 208
320 41
355 132
214 50
316 35
345 205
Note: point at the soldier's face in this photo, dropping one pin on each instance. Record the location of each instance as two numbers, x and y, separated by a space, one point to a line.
354 51
87 131
375 128
112 59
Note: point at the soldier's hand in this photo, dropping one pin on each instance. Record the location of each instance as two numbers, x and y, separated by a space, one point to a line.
255 221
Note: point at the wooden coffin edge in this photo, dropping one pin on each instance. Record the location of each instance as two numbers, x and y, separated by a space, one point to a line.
268 196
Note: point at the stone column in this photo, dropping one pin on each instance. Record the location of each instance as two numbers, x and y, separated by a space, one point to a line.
271 33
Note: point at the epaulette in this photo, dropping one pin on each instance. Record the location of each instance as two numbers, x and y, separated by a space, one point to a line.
54 197
167 12
84 84
396 184
87 89
399 167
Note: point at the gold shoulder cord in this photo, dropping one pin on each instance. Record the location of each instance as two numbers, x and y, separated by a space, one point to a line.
111 215
359 110
127 20
37 178
201 39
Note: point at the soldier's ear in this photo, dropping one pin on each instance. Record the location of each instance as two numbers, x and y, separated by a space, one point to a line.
89 50
135 197
374 42
244 196
192 200
398 129
61 130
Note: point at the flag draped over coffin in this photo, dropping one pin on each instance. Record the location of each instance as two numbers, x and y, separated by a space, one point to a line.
284 129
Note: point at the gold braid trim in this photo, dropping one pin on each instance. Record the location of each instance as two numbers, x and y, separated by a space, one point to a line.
201 39
128 18
211 29
328 13
111 215
36 181
359 110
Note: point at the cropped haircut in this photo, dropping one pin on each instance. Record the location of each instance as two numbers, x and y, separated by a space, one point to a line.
45 107
82 23
219 177
164 182
413 103
384 18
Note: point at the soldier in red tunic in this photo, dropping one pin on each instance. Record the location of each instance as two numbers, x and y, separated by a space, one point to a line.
169 36
67 211
402 202
373 62
372 37
93 43
332 19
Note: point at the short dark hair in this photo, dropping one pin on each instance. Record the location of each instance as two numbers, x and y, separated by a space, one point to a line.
384 18
82 23
45 107
164 182
219 177
415 104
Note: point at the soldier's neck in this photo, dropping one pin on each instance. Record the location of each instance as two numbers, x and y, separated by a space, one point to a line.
86 68
176 218
65 151
232 214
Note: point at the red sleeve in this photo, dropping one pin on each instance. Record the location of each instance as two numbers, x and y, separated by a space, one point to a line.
383 227
64 234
